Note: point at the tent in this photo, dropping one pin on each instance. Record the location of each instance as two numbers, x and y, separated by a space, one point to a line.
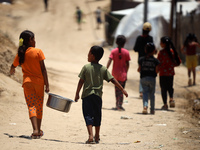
158 15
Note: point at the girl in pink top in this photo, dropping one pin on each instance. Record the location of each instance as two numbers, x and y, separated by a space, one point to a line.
121 58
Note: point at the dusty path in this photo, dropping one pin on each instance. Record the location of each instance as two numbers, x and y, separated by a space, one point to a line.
66 51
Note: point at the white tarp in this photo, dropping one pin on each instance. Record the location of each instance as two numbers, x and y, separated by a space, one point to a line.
158 15
122 12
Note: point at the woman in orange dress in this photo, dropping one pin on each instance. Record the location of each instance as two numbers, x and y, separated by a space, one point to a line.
31 60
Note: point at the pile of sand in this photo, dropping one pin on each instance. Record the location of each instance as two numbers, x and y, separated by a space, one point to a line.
8 51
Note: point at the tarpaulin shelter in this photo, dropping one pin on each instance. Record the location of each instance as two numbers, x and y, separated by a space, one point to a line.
158 15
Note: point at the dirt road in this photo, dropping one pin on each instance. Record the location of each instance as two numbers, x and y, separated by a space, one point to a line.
66 50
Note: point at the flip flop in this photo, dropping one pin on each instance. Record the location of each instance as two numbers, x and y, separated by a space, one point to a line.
164 107
35 136
89 142
97 142
41 133
172 103
145 110
115 108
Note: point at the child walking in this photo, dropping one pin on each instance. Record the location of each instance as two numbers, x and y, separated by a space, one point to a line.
92 76
169 59
79 15
140 43
148 68
98 16
121 58
35 77
189 49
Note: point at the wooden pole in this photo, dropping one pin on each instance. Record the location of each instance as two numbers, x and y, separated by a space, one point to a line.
171 19
145 10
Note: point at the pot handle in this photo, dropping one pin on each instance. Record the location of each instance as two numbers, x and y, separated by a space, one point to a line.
47 93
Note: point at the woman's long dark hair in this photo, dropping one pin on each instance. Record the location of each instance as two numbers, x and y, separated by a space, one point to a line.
169 45
190 37
121 40
25 36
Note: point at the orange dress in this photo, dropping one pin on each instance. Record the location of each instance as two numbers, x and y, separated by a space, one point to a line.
33 81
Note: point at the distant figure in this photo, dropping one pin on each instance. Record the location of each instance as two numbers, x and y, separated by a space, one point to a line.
169 59
35 79
120 58
91 78
46 5
140 43
189 49
148 68
79 15
98 17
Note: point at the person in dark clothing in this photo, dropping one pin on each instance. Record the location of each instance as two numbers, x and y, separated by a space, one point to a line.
79 17
148 68
140 43
98 17
46 5
169 59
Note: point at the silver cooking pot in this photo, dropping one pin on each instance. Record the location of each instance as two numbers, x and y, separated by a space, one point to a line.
59 103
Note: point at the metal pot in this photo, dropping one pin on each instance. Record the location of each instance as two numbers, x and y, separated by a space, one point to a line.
59 103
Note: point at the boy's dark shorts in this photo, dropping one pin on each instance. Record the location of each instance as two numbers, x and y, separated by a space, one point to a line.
99 20
91 107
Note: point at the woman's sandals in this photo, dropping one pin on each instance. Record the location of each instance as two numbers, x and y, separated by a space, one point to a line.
33 136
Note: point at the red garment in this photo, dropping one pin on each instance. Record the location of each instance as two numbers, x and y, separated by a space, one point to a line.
191 49
166 64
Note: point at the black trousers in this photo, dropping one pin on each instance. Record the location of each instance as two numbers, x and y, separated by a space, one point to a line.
166 85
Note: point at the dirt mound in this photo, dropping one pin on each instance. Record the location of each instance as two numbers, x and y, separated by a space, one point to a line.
193 105
8 51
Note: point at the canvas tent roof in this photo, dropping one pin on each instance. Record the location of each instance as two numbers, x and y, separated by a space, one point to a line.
122 12
158 15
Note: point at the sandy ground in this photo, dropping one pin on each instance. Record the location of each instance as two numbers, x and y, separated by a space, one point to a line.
66 50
